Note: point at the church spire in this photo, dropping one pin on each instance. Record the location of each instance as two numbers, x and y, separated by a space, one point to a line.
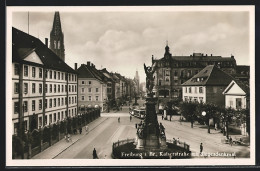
57 37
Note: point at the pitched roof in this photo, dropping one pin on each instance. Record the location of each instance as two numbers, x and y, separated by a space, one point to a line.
23 44
243 86
87 71
209 76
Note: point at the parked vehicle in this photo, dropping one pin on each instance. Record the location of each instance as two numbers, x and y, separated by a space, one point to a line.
139 113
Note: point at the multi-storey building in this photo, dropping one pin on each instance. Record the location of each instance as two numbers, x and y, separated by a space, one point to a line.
92 88
207 86
173 71
44 86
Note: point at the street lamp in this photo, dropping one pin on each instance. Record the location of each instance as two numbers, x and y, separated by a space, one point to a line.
205 114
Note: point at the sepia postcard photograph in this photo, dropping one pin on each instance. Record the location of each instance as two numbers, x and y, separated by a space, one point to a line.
130 85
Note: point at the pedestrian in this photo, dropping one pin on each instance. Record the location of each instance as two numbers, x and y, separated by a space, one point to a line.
65 137
130 118
230 141
80 130
69 138
118 119
86 127
95 154
201 148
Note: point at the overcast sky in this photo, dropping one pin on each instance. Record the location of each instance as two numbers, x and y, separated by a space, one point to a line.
123 41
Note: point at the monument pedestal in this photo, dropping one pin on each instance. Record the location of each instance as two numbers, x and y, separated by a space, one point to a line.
152 142
140 144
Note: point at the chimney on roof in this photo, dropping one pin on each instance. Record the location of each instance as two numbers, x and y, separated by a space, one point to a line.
46 42
210 54
206 54
232 56
88 63
76 66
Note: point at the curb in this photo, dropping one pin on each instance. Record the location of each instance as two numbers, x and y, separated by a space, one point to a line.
77 140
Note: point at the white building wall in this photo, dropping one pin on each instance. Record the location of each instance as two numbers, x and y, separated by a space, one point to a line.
194 94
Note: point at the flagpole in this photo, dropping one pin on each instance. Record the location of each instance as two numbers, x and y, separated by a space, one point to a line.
28 22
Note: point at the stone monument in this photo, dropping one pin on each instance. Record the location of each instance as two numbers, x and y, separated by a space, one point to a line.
150 135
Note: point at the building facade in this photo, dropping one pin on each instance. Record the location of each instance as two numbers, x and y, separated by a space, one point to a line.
207 86
44 86
92 88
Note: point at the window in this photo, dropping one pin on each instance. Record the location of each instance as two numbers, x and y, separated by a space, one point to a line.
40 104
89 98
167 73
215 89
69 77
62 88
54 88
25 88
200 90
46 88
231 103
62 115
58 75
66 100
96 98
66 88
89 82
58 115
40 122
82 82
201 99
33 87
40 73
33 105
26 71
89 90
25 106
62 76
195 89
50 74
82 98
54 102
186 89
75 77
16 107
189 89
62 101
33 71
58 101
58 88
72 88
46 74
69 100
69 88
45 103
54 74
50 103
167 79
16 69
72 99
160 82
75 99
50 118
16 88
175 73
40 88
45 120
72 77
54 117
50 88
82 90
96 89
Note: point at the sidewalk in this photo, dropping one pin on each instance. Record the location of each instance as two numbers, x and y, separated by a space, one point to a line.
62 145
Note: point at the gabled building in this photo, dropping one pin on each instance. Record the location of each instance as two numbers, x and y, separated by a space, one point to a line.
207 86
44 86
92 87
237 95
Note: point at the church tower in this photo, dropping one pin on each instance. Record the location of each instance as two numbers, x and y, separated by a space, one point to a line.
57 37
137 81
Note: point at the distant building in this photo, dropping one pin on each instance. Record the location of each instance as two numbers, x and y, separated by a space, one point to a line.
173 71
44 86
57 37
207 86
92 87
137 81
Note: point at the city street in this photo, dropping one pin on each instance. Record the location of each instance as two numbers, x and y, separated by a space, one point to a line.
102 137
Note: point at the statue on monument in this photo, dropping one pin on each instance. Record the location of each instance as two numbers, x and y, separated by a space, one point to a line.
149 71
